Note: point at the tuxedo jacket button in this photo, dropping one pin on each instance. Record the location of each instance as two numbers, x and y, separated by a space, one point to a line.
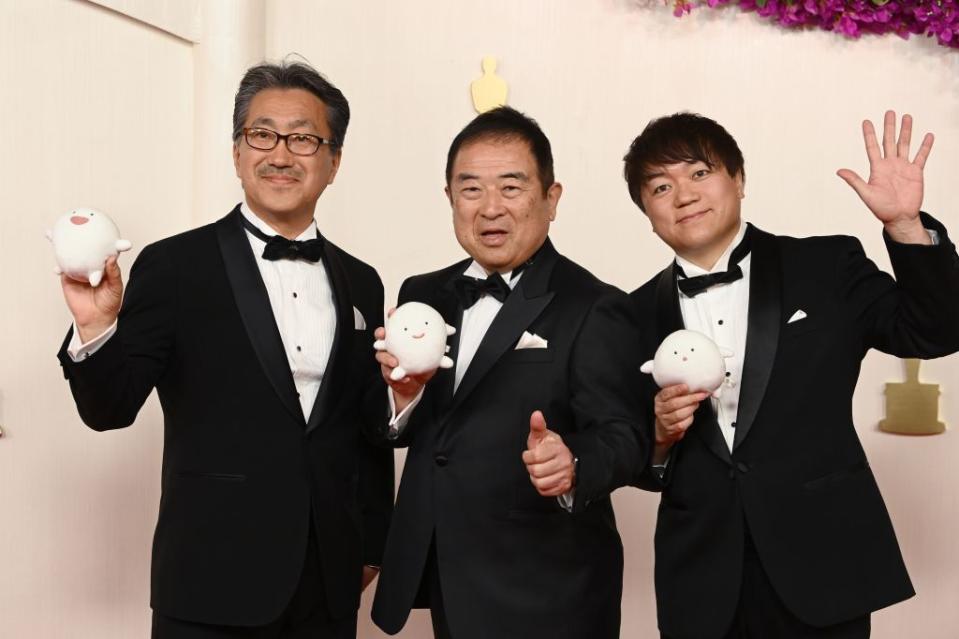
441 460
732 473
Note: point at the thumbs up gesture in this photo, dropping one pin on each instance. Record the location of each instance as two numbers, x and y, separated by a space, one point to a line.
548 461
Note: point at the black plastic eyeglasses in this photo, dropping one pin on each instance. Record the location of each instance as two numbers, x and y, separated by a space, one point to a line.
297 143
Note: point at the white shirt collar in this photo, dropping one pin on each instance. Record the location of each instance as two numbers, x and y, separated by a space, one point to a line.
477 271
691 270
311 232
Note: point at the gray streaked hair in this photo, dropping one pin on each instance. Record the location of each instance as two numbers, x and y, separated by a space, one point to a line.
292 75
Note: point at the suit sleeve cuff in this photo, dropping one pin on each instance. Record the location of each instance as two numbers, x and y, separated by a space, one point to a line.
79 351
399 421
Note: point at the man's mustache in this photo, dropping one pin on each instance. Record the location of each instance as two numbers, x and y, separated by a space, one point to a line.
290 172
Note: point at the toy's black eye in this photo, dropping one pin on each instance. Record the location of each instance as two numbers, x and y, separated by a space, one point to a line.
692 350
675 352
405 329
427 323
92 214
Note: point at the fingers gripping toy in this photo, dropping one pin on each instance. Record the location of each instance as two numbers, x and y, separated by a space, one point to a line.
416 336
691 358
82 240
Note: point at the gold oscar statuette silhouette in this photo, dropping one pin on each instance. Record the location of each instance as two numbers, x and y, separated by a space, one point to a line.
912 408
489 90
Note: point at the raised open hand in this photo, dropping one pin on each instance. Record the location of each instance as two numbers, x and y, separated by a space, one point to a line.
895 187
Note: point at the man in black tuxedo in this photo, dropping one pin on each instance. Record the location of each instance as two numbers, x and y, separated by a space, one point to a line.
503 524
770 522
256 333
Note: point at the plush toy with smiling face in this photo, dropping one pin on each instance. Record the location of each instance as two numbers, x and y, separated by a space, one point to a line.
691 358
82 240
416 336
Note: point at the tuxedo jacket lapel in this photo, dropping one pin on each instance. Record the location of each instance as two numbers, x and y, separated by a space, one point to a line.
343 337
762 333
669 318
523 305
449 307
253 303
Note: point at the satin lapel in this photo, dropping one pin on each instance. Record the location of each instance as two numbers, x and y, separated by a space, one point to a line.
336 367
253 303
762 333
668 316
669 319
523 305
449 307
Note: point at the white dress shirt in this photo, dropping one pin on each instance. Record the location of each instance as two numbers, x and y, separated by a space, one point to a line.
476 321
302 301
721 312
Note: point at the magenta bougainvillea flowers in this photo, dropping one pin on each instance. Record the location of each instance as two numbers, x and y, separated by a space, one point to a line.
852 18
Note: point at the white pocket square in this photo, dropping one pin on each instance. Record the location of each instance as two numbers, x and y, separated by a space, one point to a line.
798 315
359 322
530 340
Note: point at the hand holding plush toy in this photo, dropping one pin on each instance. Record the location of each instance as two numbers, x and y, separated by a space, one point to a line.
82 240
690 358
416 336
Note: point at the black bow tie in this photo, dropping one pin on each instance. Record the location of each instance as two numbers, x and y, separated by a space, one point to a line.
470 289
279 248
693 286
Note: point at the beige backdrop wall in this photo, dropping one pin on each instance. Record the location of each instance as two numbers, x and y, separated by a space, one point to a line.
77 508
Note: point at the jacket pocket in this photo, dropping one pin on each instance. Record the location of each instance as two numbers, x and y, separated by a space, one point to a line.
528 355
192 474
836 477
801 327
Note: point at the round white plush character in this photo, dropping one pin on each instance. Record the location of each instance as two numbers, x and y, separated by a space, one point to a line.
82 240
691 358
416 336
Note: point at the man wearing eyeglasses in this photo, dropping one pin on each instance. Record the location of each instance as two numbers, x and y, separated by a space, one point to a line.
256 333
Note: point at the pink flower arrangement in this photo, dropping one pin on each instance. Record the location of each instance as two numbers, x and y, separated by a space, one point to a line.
852 18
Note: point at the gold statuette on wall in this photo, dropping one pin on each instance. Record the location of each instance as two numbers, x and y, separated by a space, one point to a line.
912 408
488 91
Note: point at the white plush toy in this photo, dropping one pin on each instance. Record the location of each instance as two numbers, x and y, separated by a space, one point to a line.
416 336
691 358
82 240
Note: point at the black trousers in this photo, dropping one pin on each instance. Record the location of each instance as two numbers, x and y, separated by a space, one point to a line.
761 614
306 616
